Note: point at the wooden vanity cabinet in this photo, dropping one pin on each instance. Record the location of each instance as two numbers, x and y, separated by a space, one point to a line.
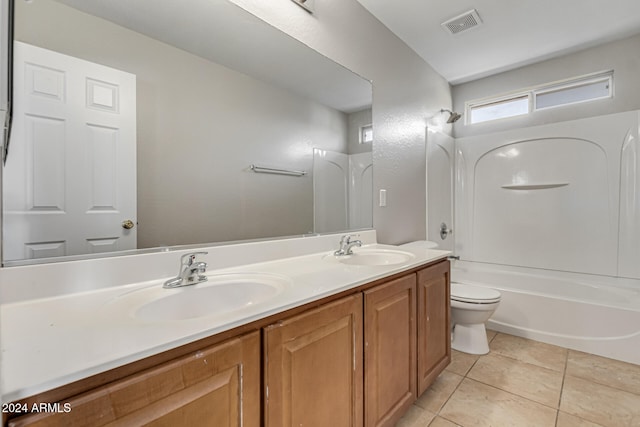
355 360
434 324
218 386
389 351
313 367
393 339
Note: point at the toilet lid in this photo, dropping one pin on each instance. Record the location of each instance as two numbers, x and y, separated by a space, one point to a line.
474 294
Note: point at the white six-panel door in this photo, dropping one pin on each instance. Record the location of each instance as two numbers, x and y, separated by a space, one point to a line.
70 178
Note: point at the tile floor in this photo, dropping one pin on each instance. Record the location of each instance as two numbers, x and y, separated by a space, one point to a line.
528 383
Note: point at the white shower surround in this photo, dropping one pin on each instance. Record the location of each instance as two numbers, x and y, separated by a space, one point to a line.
523 200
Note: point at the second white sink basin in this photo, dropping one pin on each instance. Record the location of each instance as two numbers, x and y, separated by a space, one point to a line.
221 294
373 257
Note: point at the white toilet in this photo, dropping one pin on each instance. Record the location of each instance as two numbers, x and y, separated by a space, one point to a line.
471 307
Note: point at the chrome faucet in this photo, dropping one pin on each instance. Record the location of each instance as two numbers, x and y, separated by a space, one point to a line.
191 271
346 245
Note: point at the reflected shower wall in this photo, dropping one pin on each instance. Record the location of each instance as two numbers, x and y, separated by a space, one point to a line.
342 191
360 191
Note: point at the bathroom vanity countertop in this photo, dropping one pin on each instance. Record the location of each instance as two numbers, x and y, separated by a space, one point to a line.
50 342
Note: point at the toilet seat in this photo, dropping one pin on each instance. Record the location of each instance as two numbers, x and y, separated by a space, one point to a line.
474 294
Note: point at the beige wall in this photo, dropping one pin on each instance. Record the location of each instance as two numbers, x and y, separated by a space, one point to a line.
200 126
406 92
622 56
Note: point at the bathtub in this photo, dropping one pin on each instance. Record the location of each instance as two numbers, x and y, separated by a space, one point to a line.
594 314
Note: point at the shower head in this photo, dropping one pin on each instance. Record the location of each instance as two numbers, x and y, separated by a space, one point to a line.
453 116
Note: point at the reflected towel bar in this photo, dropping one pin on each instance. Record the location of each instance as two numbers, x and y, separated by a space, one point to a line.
261 169
533 186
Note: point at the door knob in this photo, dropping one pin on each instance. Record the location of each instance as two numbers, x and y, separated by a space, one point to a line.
128 224
444 231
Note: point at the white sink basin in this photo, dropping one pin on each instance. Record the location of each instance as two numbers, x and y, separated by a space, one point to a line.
373 257
221 294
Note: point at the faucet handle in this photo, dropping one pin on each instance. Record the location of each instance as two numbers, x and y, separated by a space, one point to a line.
200 267
188 259
346 239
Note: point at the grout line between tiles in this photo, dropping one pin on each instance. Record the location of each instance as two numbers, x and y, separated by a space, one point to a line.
564 376
449 398
604 384
595 380
557 408
580 418
516 394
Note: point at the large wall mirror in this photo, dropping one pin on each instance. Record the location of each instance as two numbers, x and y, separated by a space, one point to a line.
153 124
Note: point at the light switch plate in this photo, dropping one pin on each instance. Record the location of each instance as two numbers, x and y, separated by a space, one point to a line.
307 5
383 198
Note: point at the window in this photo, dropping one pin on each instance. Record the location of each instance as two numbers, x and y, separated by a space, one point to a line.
366 134
587 90
573 91
499 109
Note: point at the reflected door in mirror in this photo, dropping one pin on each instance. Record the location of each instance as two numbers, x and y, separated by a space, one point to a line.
69 111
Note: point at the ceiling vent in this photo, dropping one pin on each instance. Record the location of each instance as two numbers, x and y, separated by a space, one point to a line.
463 22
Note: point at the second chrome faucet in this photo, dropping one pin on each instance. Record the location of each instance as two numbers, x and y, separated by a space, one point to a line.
191 271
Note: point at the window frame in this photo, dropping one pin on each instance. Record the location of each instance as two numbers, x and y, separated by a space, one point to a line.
469 106
603 77
362 131
533 92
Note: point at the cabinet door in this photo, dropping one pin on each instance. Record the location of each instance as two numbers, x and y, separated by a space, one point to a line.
434 329
389 351
313 367
218 386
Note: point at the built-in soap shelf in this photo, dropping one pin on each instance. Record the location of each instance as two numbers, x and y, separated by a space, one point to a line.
534 186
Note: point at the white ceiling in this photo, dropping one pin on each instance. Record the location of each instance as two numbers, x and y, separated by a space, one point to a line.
513 33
